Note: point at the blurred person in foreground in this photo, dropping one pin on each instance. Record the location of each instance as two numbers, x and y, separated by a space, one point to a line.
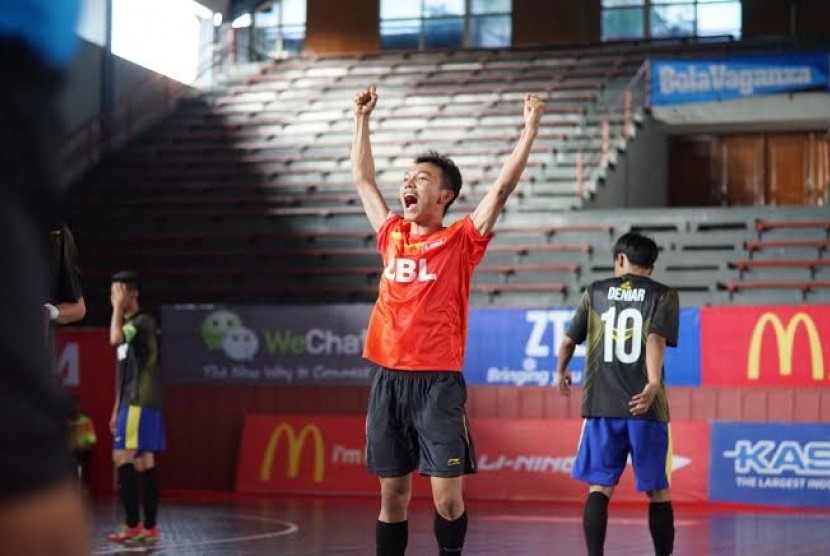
41 510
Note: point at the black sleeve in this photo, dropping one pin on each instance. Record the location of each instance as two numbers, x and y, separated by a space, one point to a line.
145 339
70 271
666 319
578 329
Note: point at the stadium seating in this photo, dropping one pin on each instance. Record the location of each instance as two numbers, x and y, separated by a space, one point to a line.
245 193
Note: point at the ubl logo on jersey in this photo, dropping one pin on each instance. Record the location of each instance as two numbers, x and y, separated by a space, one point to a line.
407 270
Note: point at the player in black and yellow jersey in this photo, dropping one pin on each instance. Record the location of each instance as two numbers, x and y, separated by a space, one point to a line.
136 416
627 321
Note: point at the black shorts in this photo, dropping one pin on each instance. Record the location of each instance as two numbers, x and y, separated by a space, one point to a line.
416 420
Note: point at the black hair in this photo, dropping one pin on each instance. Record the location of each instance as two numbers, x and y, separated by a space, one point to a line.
450 174
640 250
129 278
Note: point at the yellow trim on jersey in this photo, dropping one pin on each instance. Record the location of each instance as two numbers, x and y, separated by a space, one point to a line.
669 455
131 432
467 439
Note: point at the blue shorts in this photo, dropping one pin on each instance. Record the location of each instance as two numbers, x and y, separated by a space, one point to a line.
606 444
140 429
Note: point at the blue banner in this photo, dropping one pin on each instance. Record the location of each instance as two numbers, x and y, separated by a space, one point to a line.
684 81
785 465
518 347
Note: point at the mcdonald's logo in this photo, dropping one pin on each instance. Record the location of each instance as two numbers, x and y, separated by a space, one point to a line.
296 443
785 338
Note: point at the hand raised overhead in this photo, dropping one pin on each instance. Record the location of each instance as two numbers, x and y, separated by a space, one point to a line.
365 101
534 108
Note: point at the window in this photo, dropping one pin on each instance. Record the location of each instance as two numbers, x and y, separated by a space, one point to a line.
177 35
429 24
638 19
279 27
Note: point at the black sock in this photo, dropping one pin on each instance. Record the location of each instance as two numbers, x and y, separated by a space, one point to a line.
150 497
594 522
661 525
450 534
128 484
391 538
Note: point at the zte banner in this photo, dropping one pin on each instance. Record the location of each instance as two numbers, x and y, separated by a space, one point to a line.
767 346
277 344
684 81
519 347
786 465
518 459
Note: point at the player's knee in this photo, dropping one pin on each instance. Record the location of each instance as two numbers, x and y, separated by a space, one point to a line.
122 457
395 496
449 505
659 495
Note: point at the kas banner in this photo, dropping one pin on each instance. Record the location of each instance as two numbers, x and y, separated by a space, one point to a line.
766 346
519 347
787 465
518 459
684 81
266 344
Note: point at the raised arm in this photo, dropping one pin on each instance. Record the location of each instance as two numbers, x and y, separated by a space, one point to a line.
487 211
363 163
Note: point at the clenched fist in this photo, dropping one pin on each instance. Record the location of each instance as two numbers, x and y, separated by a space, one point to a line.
365 102
534 108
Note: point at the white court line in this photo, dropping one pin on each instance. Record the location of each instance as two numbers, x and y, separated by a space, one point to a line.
290 529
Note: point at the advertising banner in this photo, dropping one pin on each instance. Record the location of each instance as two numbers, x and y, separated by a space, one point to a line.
265 344
86 363
766 346
785 465
519 347
685 81
518 459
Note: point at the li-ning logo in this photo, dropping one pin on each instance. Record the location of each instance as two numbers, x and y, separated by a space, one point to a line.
295 443
434 244
784 339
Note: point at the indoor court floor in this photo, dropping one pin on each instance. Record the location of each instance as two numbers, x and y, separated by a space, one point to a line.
306 526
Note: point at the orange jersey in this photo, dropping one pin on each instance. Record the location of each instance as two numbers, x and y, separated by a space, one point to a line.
419 322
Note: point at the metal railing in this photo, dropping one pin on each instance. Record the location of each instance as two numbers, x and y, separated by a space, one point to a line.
133 112
633 98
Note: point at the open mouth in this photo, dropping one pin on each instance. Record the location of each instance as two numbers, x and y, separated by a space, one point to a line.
409 201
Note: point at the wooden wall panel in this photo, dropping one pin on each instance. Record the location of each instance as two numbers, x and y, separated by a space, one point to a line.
787 168
335 26
742 162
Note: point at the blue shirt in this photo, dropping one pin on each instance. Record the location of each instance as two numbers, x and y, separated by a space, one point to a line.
48 26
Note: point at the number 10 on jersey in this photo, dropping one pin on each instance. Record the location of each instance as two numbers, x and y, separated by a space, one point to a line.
618 330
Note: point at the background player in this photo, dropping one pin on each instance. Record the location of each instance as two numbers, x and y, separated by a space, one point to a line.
418 329
66 299
628 321
136 416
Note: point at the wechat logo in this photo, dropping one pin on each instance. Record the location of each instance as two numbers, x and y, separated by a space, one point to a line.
224 330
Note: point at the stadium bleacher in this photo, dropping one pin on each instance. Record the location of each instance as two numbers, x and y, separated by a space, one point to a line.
250 186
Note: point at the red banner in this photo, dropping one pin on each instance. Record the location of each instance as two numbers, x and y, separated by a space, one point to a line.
518 459
86 363
766 346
